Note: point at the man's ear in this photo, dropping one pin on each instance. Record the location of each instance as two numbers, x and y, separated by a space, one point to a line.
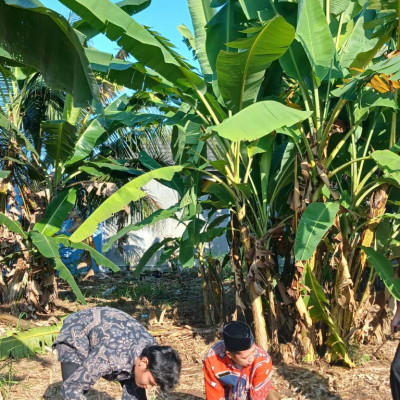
144 362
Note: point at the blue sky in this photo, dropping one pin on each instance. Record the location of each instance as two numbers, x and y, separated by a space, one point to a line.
163 16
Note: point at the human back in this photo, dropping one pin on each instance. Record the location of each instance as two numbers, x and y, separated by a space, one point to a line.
106 342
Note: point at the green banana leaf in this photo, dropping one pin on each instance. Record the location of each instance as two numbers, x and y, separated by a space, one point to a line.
122 197
190 239
157 216
282 173
149 253
314 223
149 163
59 55
4 174
210 234
70 114
98 257
337 7
201 14
258 120
316 304
124 73
295 61
129 6
217 221
48 247
127 118
19 345
240 73
221 29
188 36
86 141
390 67
8 126
389 163
252 8
106 17
220 192
357 42
56 212
133 6
111 169
315 36
59 139
12 225
385 270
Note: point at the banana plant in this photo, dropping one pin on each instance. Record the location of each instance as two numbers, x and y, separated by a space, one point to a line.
294 100
28 343
55 146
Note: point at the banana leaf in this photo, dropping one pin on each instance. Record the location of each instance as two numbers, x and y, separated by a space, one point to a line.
48 247
385 270
157 216
149 253
86 142
389 163
12 225
56 212
106 17
58 55
27 344
317 306
98 257
201 13
258 120
122 197
314 223
241 72
315 36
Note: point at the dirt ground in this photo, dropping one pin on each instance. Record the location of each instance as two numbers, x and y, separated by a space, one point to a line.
173 322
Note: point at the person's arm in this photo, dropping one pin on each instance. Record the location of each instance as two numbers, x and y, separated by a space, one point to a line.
261 382
92 369
395 325
214 388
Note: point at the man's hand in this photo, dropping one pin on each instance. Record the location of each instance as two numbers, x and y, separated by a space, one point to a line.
273 395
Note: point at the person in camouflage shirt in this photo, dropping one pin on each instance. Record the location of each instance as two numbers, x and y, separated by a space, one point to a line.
106 342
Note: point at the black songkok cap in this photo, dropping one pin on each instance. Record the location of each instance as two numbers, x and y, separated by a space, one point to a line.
237 336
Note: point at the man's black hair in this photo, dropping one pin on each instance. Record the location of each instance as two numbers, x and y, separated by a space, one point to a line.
164 364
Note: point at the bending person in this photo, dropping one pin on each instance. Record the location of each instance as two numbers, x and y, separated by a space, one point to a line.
106 342
395 367
236 368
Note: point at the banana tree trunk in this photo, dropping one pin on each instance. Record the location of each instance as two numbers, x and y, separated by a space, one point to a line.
214 277
256 302
241 306
351 317
204 287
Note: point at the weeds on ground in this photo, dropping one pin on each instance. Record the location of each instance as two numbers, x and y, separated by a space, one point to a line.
6 373
357 355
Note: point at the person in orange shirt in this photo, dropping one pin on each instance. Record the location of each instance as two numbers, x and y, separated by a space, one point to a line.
236 368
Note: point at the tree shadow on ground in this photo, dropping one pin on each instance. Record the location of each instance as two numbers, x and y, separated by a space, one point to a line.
53 393
306 382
